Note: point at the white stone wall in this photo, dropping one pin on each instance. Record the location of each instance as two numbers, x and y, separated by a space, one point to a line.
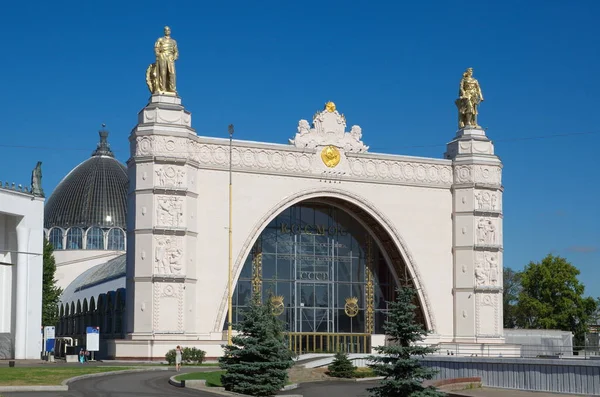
21 269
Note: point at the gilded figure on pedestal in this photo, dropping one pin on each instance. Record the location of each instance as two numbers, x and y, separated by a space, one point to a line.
160 76
469 98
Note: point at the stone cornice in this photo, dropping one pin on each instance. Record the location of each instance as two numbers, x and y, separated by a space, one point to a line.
213 153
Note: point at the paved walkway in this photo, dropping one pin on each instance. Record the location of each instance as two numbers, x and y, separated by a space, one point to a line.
484 392
151 383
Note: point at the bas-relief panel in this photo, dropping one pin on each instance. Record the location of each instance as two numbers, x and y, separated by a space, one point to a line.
487 231
487 200
170 176
281 161
488 314
168 255
168 307
487 269
169 211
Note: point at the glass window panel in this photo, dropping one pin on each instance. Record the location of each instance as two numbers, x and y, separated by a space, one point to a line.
343 291
343 267
343 321
285 243
322 320
307 216
95 239
358 270
283 268
307 295
247 268
269 266
244 292
56 238
116 240
269 241
322 295
75 238
285 290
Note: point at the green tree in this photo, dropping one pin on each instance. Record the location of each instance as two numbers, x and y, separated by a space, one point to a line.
341 366
398 362
510 295
258 358
50 292
552 298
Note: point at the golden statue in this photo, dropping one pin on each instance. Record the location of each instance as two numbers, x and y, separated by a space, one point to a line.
160 76
469 98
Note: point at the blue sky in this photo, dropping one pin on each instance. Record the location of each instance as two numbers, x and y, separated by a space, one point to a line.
391 67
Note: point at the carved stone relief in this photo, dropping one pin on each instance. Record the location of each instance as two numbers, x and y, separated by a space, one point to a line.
488 314
484 174
486 232
169 211
486 200
329 129
487 271
168 307
168 255
170 176
281 161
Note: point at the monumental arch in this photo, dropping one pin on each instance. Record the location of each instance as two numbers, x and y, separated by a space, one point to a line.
320 225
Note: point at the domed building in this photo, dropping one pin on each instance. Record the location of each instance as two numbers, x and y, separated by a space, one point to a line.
85 217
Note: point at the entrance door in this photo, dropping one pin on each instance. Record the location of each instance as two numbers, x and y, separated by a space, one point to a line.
314 307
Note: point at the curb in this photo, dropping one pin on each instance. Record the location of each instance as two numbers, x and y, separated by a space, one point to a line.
65 383
33 388
200 384
99 374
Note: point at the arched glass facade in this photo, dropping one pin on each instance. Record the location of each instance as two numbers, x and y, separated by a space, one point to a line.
116 240
94 239
323 271
75 238
56 238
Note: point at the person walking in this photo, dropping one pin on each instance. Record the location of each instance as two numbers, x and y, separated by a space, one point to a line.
178 358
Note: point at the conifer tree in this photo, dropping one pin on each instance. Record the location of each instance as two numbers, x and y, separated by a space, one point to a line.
50 292
258 358
341 366
398 362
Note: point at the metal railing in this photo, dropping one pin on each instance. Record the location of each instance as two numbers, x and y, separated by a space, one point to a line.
323 342
521 351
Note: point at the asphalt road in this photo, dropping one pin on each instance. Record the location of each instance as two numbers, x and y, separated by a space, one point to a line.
333 389
151 383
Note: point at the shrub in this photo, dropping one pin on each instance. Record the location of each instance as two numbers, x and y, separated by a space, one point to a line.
341 366
189 355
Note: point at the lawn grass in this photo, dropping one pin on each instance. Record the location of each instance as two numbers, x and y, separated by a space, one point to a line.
364 372
213 378
49 376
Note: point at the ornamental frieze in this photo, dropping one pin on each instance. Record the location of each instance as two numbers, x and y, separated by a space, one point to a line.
294 162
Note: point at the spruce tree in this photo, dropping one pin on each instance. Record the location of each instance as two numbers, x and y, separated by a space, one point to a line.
341 366
50 292
398 362
258 358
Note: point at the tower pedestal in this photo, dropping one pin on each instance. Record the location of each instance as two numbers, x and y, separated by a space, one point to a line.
477 243
162 227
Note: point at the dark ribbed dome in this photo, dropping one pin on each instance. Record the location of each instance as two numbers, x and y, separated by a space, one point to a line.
93 194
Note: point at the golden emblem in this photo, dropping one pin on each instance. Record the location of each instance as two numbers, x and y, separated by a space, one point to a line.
330 156
330 107
351 306
277 305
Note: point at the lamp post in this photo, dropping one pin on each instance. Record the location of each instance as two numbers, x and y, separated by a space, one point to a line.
230 267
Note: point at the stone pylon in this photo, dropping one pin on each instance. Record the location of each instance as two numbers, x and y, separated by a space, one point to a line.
477 237
161 224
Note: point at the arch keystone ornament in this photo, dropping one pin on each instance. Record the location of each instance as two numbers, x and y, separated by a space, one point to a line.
330 156
351 306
